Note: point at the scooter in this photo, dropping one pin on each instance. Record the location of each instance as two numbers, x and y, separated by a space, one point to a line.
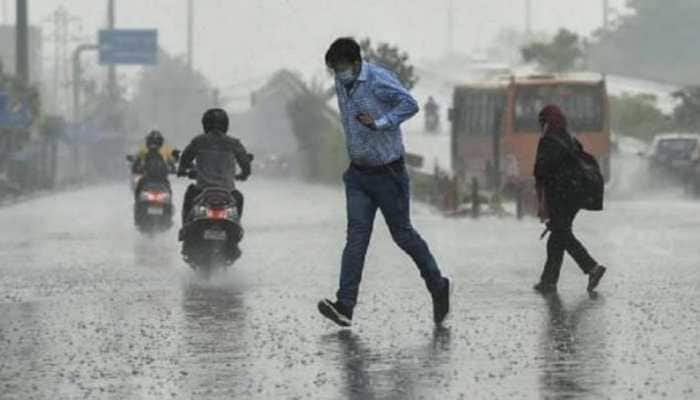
153 207
212 230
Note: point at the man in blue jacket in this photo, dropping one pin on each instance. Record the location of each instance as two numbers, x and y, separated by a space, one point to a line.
372 105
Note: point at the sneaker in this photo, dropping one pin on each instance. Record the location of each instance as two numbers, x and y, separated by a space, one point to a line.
441 303
544 287
594 277
336 312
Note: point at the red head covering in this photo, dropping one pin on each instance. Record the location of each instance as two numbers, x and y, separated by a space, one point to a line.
553 117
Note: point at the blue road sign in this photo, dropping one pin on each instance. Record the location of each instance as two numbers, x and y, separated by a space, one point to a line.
128 46
14 112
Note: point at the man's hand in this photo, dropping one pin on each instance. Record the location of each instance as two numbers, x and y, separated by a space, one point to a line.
366 120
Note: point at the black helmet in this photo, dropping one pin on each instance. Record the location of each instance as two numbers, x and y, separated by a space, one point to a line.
154 140
215 119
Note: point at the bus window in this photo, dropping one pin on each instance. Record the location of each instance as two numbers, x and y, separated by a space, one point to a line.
582 105
480 112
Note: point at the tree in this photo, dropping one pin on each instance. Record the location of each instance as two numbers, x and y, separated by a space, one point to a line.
392 58
170 97
320 136
559 55
652 42
637 116
686 115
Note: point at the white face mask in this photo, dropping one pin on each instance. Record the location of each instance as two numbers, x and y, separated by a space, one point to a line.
346 76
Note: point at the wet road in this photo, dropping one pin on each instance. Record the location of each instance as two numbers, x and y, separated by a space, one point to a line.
91 309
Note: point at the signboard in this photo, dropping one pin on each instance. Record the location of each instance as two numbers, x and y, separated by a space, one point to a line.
128 46
14 112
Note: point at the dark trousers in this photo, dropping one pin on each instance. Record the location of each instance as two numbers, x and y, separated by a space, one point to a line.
193 191
562 239
388 192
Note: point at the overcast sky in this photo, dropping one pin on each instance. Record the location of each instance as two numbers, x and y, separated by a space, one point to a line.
237 40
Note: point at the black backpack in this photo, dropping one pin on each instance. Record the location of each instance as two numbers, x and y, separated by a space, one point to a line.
587 182
155 168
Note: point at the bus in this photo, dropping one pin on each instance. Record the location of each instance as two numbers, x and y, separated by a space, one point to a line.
495 131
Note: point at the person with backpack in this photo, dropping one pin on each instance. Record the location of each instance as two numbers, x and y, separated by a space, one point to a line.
567 179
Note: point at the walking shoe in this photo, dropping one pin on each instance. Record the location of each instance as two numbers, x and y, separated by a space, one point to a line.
545 288
441 303
594 277
336 312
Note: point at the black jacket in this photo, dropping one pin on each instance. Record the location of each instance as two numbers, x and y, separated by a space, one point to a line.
555 167
216 155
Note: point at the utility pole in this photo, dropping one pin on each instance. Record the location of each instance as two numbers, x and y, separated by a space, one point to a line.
190 33
62 35
111 69
450 27
528 18
22 42
77 79
606 14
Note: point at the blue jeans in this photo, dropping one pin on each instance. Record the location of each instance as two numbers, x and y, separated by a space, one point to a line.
388 192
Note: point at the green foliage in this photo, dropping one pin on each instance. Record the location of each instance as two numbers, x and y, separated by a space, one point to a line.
653 42
686 115
392 58
637 116
320 137
559 55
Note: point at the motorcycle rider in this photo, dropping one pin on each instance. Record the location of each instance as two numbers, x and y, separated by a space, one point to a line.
154 161
215 154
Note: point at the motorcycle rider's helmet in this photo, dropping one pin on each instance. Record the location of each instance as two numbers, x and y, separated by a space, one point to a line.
215 119
154 140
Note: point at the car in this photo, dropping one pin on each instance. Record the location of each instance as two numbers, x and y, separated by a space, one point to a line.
676 151
676 155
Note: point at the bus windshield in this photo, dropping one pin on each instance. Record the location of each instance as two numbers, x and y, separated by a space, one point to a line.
582 105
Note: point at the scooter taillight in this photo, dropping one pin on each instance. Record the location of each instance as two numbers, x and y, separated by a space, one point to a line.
217 213
156 197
